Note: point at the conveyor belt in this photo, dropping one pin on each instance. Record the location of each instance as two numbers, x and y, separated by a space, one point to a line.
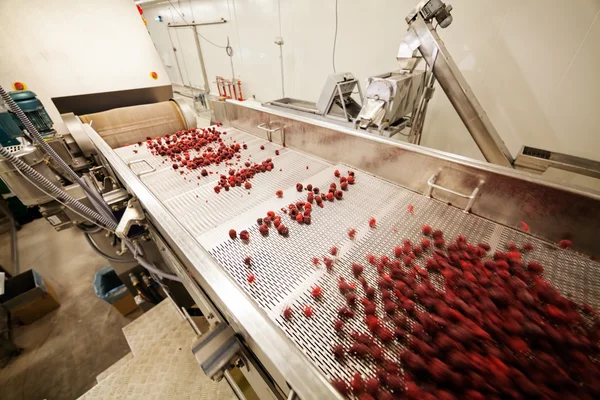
283 267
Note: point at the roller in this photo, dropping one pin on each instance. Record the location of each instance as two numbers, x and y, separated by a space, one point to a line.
125 125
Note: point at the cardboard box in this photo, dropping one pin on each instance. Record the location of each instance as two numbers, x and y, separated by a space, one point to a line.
28 297
126 305
109 287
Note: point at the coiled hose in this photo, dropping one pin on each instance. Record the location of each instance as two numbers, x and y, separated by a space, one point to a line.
95 198
104 216
59 193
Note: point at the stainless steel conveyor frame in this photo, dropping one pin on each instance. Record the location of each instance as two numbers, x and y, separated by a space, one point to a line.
496 193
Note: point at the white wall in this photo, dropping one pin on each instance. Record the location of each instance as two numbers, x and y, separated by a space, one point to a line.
68 47
533 64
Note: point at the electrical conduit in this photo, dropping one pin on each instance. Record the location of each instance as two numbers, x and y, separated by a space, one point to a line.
94 196
56 191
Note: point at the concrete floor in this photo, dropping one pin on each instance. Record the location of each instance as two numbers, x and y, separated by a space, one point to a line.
68 348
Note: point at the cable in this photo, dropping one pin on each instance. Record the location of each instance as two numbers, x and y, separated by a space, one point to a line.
198 33
335 37
280 44
229 51
64 204
148 265
187 74
55 192
191 9
103 254
214 44
94 197
89 229
109 222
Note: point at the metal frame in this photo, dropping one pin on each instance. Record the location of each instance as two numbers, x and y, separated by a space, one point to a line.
220 21
471 197
284 362
146 171
340 95
537 160
506 196
423 36
198 47
502 194
267 128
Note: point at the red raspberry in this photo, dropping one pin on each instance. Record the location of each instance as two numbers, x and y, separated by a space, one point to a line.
338 351
308 311
316 292
263 229
287 313
357 269
565 244
340 386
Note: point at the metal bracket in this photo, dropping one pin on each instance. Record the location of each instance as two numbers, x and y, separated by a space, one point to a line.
75 128
431 184
217 351
428 94
133 215
146 171
266 127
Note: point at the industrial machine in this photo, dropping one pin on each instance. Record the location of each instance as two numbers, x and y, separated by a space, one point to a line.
390 99
53 171
11 128
190 222
335 101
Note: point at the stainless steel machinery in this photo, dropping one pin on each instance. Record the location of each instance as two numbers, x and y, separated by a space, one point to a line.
402 185
64 176
190 224
335 101
390 99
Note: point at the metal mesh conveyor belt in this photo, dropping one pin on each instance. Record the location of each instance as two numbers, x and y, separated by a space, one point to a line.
284 269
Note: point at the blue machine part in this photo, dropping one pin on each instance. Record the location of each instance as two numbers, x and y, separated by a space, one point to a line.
9 130
10 125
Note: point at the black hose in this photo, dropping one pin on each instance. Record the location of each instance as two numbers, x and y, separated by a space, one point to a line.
103 254
88 228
